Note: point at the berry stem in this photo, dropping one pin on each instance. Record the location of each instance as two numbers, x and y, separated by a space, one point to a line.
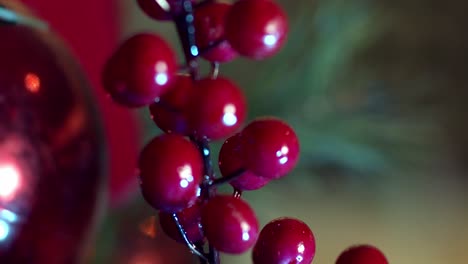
193 248
207 190
223 180
186 30
212 46
214 70
237 193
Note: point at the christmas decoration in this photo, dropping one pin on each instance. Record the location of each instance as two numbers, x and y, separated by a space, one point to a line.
91 40
51 150
369 87
176 172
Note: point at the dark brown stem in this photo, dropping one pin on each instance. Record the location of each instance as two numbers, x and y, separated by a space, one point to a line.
237 193
227 179
186 30
214 70
207 188
193 248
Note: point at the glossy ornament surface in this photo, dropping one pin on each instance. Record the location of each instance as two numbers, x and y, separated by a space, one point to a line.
362 254
209 32
51 151
270 147
230 224
141 70
231 161
171 169
170 112
217 109
284 241
256 28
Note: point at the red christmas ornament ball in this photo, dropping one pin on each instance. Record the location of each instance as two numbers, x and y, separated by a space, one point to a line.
51 155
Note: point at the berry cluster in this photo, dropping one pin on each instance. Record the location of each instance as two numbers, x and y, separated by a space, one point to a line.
176 173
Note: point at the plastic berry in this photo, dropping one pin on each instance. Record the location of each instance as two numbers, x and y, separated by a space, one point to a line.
231 161
284 240
362 254
164 10
169 113
154 10
189 218
217 109
256 28
270 147
230 224
209 31
141 70
171 169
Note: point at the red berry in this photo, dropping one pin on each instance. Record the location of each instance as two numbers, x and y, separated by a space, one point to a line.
362 254
270 147
158 9
256 28
230 224
231 160
209 30
171 169
284 240
169 113
141 70
189 218
154 10
217 109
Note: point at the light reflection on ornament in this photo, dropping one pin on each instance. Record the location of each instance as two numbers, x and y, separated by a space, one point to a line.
9 181
32 82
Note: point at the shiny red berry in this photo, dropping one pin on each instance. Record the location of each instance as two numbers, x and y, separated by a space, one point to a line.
230 224
270 147
231 160
362 254
284 240
209 31
170 112
189 218
171 169
217 109
256 28
141 70
154 10
161 10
